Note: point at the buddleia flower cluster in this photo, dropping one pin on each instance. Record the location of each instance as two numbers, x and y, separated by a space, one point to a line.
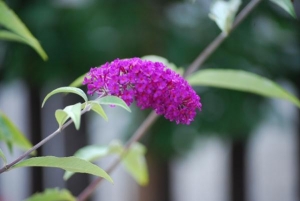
150 84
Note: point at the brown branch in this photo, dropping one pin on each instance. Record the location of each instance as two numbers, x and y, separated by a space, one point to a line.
152 117
35 147
220 38
135 137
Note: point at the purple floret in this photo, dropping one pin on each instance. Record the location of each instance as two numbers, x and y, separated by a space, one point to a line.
150 84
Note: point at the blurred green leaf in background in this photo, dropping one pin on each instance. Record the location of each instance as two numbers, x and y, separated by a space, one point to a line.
17 30
11 135
51 195
287 5
241 81
90 33
133 160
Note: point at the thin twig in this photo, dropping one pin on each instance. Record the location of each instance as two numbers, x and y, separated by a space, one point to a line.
135 137
152 117
35 147
220 38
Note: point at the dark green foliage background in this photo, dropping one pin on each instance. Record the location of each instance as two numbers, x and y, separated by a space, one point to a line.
77 37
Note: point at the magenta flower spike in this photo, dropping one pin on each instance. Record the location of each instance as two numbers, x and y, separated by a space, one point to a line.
150 84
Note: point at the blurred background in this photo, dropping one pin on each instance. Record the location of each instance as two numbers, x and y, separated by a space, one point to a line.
241 147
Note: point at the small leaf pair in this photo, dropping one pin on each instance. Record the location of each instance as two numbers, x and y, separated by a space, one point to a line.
71 111
74 111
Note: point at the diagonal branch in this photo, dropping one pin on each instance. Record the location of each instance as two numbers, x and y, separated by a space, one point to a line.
204 55
152 116
35 147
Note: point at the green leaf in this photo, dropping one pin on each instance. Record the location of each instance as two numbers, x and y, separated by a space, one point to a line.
113 100
3 156
61 117
11 21
11 135
287 5
241 81
163 60
74 112
7 35
78 81
135 163
89 153
72 164
94 152
66 90
96 107
134 160
223 13
71 111
52 195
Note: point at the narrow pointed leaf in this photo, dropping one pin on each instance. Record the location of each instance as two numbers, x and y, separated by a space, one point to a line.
78 81
61 117
113 100
134 160
66 90
7 35
72 164
11 135
96 107
89 153
52 195
74 112
11 21
3 156
135 163
94 152
223 13
287 5
241 81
